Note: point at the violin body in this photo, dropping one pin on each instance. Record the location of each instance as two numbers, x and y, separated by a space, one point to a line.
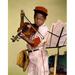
27 28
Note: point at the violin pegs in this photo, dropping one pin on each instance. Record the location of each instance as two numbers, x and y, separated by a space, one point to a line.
12 35
12 39
17 40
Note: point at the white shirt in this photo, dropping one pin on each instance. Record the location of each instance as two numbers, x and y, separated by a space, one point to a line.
43 29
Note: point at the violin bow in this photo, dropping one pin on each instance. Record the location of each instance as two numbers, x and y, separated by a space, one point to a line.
32 25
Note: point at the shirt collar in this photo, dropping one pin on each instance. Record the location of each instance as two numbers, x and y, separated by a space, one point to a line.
41 25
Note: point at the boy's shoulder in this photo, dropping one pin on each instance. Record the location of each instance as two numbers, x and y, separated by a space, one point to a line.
43 27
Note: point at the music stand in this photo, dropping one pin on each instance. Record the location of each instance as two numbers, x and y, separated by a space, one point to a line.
59 42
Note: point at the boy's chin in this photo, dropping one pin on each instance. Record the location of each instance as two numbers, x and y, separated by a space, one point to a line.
38 25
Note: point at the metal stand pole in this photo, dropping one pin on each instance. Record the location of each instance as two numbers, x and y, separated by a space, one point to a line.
56 56
55 62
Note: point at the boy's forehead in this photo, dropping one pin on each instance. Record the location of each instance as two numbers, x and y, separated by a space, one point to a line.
39 15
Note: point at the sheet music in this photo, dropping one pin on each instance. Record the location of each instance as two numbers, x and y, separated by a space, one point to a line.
56 29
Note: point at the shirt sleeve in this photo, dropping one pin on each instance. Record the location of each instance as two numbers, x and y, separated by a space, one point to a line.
43 30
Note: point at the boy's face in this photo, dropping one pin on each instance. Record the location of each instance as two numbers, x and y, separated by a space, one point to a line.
39 19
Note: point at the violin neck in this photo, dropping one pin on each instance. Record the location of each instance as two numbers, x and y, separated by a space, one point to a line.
22 19
21 22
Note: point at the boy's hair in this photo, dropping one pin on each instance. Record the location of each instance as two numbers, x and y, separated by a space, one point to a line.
42 10
44 15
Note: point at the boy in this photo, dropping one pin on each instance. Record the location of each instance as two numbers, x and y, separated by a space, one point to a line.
38 55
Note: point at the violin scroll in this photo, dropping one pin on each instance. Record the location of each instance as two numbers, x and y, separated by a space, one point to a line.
16 38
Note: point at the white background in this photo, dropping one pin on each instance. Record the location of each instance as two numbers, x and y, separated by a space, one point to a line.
71 37
4 37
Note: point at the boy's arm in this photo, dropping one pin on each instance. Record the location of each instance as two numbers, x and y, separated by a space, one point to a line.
33 42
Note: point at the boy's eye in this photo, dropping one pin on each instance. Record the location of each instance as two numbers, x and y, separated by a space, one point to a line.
40 18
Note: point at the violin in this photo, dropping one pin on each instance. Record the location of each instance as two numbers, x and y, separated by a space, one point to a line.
27 28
